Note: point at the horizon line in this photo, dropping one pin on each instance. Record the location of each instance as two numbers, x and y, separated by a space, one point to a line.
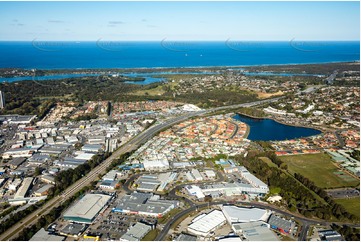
189 40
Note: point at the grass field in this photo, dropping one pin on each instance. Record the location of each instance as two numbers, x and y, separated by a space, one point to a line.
352 205
320 169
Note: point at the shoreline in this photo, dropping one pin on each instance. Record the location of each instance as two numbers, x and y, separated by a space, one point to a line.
183 67
280 122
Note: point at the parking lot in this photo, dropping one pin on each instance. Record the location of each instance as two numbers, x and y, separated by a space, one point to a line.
343 192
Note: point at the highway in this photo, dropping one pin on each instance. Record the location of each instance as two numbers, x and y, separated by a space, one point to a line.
133 144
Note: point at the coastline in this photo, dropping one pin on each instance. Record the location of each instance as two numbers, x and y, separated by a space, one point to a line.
189 67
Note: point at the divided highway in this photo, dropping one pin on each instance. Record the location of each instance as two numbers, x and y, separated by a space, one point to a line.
133 144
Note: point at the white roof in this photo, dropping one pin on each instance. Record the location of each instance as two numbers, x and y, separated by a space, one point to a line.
88 207
209 222
239 214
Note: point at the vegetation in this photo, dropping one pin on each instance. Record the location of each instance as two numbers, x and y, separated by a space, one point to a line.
352 205
47 219
299 194
252 112
151 235
319 168
349 234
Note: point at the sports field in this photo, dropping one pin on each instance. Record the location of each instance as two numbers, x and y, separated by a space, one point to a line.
320 169
352 205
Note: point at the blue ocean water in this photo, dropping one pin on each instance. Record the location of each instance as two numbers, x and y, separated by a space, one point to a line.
270 130
108 54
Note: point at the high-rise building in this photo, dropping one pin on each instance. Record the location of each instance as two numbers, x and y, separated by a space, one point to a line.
2 100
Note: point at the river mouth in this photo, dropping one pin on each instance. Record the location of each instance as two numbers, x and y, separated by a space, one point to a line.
270 130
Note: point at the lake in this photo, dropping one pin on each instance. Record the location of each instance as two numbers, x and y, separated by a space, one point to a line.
268 129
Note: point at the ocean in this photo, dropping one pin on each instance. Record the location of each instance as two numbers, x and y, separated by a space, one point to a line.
108 54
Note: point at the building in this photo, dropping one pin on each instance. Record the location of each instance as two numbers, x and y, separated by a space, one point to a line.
21 193
48 179
329 235
16 162
204 224
156 164
195 191
108 185
185 237
254 231
197 175
91 148
13 186
144 204
43 235
2 100
73 230
147 183
236 214
43 191
254 181
87 208
137 232
281 224
110 176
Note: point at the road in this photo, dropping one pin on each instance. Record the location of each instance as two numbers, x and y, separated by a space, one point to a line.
133 144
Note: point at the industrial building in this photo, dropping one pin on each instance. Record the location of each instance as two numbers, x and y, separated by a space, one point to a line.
137 232
43 235
254 231
204 224
157 164
21 192
86 209
43 191
144 204
195 191
281 224
185 237
236 214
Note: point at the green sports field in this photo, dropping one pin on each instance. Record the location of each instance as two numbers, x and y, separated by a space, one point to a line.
352 205
320 169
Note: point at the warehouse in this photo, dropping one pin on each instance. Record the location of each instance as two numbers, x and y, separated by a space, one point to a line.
43 235
236 214
156 164
85 210
204 224
137 232
21 193
254 231
144 204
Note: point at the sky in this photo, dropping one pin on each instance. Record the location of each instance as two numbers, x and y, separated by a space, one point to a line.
262 21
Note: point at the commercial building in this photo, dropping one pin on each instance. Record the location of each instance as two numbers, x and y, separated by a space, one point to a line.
144 204
204 224
137 232
21 193
43 235
254 231
85 210
236 214
147 183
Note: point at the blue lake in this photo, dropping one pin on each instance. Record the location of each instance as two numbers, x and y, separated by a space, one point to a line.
268 129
